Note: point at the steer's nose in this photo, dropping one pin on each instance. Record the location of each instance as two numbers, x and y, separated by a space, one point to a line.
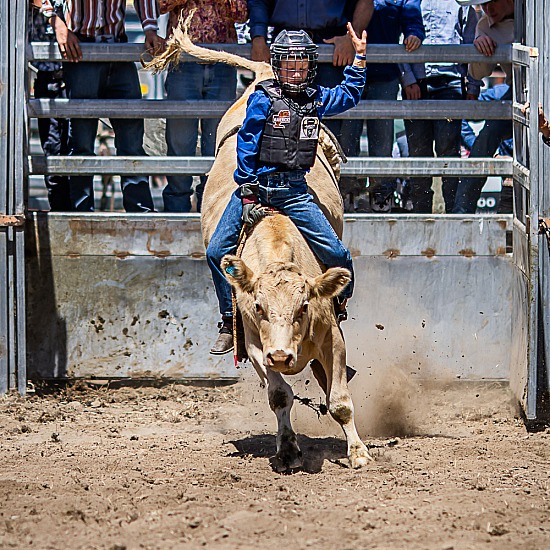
279 359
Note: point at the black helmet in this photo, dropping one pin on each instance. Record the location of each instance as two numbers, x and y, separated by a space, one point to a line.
293 46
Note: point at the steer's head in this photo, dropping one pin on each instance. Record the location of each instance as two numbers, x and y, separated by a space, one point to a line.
281 303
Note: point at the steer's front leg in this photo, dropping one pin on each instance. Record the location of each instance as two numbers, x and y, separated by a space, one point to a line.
339 401
281 399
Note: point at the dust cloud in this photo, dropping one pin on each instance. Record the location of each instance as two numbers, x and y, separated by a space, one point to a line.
388 403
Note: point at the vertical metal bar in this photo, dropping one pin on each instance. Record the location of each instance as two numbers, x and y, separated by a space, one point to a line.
4 144
533 136
12 132
13 18
544 196
20 179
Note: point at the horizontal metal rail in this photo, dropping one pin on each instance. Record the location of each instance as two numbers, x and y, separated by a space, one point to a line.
196 166
376 53
142 108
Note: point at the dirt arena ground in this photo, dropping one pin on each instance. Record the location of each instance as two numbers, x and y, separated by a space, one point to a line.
188 467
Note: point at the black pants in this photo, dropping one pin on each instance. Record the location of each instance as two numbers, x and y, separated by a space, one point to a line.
54 138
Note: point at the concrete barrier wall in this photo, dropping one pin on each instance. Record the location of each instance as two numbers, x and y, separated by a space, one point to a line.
130 296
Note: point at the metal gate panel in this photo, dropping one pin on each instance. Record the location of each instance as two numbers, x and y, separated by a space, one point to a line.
523 375
4 182
130 296
121 296
13 18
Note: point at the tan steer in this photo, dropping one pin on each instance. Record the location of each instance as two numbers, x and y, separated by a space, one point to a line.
283 292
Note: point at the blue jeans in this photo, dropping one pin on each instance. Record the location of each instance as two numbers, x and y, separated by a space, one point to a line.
288 193
54 137
379 132
194 81
487 142
106 81
421 135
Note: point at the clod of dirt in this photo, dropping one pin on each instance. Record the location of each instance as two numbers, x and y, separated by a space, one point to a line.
496 530
55 437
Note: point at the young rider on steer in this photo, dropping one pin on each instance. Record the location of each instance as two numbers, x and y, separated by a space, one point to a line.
276 146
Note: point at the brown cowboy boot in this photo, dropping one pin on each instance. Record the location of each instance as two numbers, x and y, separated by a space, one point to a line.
340 309
224 343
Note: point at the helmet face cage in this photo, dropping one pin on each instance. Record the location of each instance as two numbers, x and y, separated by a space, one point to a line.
289 52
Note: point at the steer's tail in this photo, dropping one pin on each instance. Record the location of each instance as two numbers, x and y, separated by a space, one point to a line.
181 43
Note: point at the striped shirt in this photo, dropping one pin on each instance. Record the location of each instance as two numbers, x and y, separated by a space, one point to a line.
93 18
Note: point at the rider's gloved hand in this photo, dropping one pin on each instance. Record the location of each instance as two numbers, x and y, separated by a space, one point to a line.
252 209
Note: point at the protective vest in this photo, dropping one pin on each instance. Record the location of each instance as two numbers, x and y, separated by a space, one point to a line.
291 132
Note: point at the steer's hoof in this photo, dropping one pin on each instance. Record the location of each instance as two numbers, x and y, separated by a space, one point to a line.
285 463
359 456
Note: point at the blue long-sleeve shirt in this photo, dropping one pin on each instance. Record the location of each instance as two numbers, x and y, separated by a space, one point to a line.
329 101
390 20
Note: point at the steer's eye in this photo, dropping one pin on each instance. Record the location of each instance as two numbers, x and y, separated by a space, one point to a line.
259 309
303 309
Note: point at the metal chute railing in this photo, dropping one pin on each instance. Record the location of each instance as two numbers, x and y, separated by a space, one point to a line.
358 166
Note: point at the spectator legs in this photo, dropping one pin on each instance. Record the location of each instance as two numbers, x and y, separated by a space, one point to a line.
421 137
106 81
193 81
486 144
54 137
380 135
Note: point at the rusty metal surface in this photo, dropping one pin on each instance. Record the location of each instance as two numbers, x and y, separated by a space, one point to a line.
12 221
94 312
119 235
420 235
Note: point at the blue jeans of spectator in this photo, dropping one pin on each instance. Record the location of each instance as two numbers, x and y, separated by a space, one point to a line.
380 133
106 81
288 193
194 81
54 138
421 136
486 144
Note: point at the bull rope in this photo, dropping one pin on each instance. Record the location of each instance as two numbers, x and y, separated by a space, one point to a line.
240 245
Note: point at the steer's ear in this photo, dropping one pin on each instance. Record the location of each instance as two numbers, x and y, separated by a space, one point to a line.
238 273
331 282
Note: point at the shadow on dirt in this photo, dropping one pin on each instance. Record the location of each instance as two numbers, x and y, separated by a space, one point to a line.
315 450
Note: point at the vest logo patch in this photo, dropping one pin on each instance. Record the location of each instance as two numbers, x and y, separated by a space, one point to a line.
309 128
281 119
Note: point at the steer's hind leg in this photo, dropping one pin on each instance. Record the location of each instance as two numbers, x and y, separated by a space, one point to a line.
281 399
340 404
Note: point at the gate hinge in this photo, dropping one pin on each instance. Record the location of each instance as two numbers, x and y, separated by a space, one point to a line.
12 221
